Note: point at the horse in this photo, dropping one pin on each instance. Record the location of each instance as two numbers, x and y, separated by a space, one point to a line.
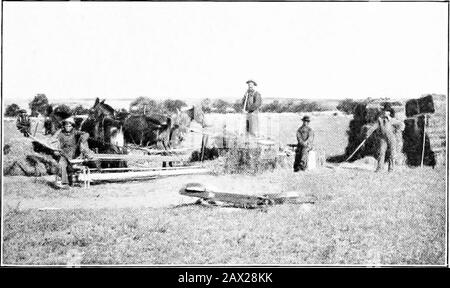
158 130
147 131
105 131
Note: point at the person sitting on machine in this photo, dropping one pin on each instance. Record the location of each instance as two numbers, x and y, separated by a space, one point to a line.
71 143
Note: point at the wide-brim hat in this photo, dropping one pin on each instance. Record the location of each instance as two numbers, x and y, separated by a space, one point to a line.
387 106
69 120
306 118
22 111
252 82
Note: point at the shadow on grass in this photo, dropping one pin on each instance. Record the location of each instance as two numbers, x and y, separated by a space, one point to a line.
337 158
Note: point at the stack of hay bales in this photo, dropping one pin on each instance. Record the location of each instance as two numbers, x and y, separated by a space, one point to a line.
364 116
426 113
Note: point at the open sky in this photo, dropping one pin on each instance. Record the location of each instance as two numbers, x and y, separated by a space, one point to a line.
73 50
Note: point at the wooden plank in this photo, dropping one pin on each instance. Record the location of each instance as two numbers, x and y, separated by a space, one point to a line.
125 157
139 175
147 168
157 151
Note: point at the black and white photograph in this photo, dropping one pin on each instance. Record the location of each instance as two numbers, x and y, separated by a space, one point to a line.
224 134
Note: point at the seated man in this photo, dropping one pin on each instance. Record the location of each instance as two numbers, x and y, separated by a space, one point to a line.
70 143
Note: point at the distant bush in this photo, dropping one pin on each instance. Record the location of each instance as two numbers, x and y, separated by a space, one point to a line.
220 106
63 110
206 105
145 105
80 110
347 106
172 106
39 104
294 107
12 110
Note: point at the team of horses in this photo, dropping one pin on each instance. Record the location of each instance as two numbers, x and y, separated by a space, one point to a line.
111 131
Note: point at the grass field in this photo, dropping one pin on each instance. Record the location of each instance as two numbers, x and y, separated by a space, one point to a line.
360 217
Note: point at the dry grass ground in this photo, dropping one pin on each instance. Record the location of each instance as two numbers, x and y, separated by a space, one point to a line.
360 217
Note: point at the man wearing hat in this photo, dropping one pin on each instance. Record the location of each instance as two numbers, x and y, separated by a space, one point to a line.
70 142
23 122
385 129
305 139
251 103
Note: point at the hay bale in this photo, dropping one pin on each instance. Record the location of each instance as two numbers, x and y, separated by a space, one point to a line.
431 103
412 108
435 107
426 104
413 143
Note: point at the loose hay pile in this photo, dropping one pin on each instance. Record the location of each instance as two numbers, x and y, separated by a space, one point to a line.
20 159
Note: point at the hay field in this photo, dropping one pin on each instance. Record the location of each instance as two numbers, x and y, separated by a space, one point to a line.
360 217
330 130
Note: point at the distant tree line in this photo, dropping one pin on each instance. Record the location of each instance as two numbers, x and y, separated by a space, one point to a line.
146 105
40 105
293 107
222 106
142 105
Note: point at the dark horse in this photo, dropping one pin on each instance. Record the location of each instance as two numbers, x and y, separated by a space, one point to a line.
161 131
105 132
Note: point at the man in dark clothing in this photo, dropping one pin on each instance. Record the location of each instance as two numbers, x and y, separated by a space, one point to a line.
305 139
23 122
384 130
251 103
70 142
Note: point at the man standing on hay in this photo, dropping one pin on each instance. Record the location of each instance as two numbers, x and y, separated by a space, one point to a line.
251 103
385 130
305 138
70 141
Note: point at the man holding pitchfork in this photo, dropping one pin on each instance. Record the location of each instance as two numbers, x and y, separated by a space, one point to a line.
251 104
